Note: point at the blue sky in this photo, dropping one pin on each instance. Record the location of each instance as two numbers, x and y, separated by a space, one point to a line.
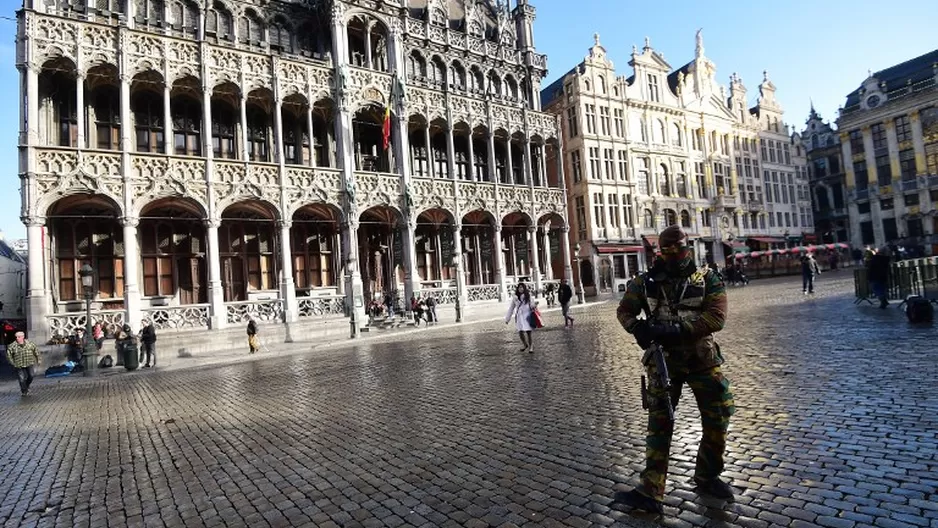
812 50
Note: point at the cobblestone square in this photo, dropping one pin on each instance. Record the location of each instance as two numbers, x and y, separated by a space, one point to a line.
837 426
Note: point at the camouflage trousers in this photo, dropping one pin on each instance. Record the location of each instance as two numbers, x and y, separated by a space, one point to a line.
715 401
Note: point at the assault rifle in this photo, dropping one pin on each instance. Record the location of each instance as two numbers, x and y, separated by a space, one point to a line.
655 353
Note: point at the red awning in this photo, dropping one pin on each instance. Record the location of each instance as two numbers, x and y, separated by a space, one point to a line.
651 240
810 238
607 249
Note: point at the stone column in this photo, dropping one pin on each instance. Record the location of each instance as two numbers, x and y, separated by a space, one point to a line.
219 317
368 59
511 168
245 153
542 166
411 277
80 106
477 254
32 105
493 172
535 257
37 302
167 120
338 262
450 152
472 158
528 163
499 262
460 269
287 287
132 303
431 157
354 287
312 137
918 141
545 247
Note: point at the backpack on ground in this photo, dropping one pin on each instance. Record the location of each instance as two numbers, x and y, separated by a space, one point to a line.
919 310
106 362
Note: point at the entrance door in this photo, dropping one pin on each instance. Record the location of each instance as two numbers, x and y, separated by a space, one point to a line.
192 280
233 277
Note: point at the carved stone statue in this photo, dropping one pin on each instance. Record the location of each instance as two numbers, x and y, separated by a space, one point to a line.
341 82
700 45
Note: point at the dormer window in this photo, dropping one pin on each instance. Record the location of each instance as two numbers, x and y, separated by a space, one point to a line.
653 94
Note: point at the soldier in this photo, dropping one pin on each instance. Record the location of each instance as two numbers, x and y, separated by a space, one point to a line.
684 305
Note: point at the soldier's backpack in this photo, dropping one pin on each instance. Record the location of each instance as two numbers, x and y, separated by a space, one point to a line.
919 310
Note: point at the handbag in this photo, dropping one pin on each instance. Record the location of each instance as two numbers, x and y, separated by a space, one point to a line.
535 319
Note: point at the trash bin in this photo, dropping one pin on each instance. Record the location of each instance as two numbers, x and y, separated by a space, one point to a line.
130 352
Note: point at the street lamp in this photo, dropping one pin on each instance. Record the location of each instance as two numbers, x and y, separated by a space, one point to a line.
90 351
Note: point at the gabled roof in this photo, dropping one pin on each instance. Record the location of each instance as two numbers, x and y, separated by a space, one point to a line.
7 252
554 89
672 77
918 70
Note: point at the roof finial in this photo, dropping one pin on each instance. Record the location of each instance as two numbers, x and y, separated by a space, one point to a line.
647 43
765 75
596 39
700 46
869 73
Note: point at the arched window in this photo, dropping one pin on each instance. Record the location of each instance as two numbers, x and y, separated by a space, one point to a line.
685 219
295 139
586 85
251 29
664 183
148 13
95 242
280 36
313 249
602 84
437 72
457 77
186 18
476 80
670 217
107 118
648 219
438 18
218 23
187 126
495 84
258 135
615 91
659 131
680 180
59 98
676 138
223 130
147 108
511 87
416 67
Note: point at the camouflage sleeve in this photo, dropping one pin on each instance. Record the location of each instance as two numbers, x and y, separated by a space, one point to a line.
712 317
631 304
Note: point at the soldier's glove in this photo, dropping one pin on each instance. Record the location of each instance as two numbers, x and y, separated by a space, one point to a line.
642 333
665 333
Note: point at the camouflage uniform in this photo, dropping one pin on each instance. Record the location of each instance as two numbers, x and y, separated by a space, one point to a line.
694 301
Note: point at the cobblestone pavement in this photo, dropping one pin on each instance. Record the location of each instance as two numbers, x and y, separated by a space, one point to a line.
836 427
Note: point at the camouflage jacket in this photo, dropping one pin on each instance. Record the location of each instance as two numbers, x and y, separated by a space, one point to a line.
696 301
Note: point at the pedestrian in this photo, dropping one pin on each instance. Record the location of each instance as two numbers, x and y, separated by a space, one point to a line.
878 275
521 308
97 333
252 336
431 310
148 343
76 345
23 355
417 308
565 295
684 305
389 303
809 270
834 259
549 294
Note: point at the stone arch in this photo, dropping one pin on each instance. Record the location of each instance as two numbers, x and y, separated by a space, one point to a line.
436 216
190 204
248 207
517 218
552 220
479 217
89 202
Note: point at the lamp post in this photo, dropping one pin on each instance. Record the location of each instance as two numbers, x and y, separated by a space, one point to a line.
90 349
579 286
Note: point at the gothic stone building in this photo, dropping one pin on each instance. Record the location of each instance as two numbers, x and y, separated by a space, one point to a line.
670 146
282 160
827 179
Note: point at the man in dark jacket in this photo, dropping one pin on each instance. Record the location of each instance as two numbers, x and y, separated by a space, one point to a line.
564 295
878 275
684 306
148 342
252 336
809 270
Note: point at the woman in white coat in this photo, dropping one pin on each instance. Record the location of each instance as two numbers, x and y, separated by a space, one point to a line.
521 307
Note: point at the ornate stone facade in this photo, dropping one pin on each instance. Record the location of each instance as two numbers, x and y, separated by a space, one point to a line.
669 146
281 160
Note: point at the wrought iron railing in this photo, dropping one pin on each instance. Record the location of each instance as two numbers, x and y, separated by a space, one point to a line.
482 292
321 306
440 295
261 311
64 325
187 317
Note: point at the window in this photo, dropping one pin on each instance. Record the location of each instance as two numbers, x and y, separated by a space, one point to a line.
280 37
718 178
765 156
572 122
590 119
581 217
218 23
907 164
257 134
148 120
223 132
676 139
911 199
653 88
420 156
187 123
664 185
604 120
685 219
787 219
861 175
879 136
903 129
249 246
659 132
251 29
627 210
107 118
863 207
186 18
856 142
890 229
695 139
599 213
680 180
609 161
643 183
648 219
866 232
313 250
614 211
883 170
575 162
772 151
623 165
701 178
148 13
787 154
619 122
595 166
98 243
887 204
416 67
913 227
457 77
